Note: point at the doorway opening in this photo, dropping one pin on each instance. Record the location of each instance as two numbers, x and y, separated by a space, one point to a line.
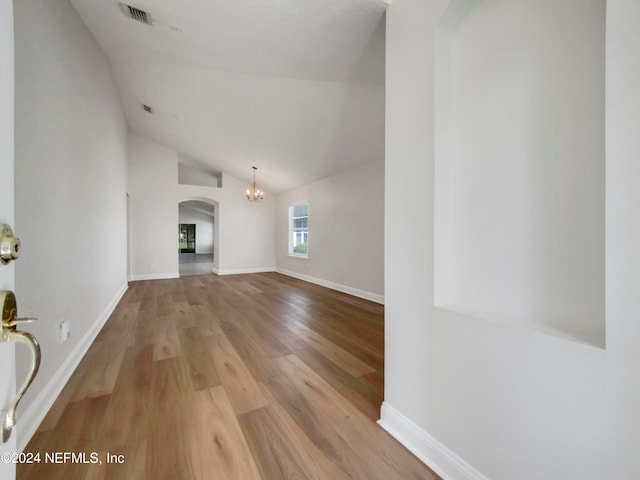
197 236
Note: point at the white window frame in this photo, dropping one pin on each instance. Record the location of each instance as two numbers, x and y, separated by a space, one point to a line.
292 233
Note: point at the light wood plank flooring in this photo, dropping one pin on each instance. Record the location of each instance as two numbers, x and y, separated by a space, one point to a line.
237 377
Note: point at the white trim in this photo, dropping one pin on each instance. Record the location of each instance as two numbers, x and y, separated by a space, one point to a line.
153 276
434 454
35 413
240 271
356 292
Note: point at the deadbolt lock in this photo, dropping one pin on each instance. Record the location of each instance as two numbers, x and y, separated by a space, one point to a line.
9 245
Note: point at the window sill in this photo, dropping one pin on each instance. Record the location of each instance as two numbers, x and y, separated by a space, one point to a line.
297 255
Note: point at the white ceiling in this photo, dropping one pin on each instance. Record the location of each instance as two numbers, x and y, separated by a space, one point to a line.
295 87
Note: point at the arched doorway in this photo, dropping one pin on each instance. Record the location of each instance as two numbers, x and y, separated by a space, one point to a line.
197 236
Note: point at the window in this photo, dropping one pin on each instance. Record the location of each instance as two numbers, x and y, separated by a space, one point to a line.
299 229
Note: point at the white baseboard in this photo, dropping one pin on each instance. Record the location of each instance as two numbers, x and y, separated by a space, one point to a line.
374 297
35 413
433 453
153 276
240 271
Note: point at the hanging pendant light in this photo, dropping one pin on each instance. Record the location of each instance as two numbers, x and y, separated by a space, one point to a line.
254 195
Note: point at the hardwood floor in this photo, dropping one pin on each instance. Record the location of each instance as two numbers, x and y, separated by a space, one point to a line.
256 376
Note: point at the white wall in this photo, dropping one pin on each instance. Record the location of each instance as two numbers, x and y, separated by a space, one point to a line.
622 387
474 397
153 176
346 231
245 232
70 191
522 187
204 228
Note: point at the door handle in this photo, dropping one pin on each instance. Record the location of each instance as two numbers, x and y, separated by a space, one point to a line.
10 333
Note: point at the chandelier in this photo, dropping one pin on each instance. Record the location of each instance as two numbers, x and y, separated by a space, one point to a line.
254 195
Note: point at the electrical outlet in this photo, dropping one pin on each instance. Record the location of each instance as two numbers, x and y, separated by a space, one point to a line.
65 331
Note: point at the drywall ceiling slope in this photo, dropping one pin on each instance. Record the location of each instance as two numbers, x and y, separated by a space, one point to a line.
295 87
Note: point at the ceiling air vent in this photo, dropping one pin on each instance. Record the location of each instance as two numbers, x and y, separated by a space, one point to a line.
136 13
147 108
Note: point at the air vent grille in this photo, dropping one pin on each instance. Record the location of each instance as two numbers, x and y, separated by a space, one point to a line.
136 13
147 108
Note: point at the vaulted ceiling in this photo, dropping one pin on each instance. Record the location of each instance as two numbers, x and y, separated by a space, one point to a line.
294 87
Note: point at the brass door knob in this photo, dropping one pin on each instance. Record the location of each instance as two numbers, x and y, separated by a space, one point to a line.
10 333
